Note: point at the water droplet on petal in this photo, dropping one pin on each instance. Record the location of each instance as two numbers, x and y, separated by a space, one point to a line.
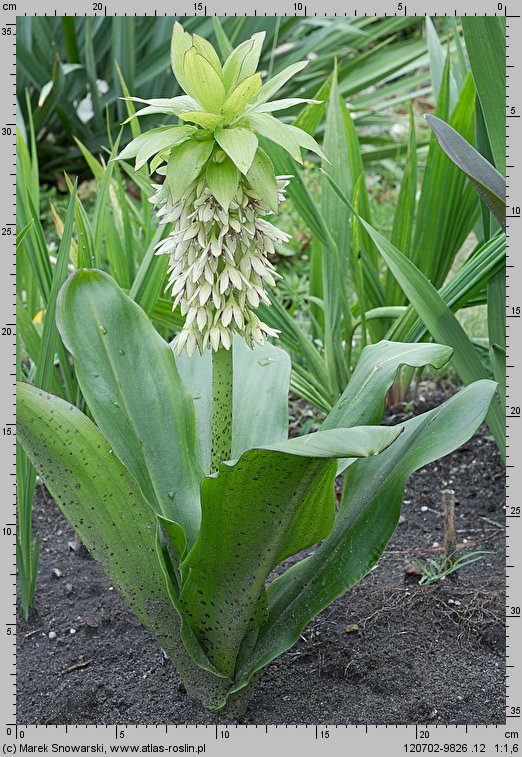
265 361
122 352
171 494
102 329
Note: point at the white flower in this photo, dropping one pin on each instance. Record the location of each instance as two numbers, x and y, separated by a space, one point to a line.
218 263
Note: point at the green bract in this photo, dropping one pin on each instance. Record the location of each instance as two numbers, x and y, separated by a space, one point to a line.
219 183
191 552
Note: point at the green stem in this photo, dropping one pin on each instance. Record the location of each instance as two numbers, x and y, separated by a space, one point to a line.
221 407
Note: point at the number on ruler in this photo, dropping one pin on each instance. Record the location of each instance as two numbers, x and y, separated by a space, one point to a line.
7 131
6 31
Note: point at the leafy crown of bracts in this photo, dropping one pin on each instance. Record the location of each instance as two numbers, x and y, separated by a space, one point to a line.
219 183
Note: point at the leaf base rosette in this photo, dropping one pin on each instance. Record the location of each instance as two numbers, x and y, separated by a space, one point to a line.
191 552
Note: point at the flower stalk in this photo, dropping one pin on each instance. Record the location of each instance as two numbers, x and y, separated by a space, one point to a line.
222 398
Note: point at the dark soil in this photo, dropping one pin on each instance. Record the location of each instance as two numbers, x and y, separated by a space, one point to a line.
389 651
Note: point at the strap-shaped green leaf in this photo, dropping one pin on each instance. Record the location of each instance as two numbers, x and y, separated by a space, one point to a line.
130 381
260 402
370 512
105 505
485 42
489 183
255 512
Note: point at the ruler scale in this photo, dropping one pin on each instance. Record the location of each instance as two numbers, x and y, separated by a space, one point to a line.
231 739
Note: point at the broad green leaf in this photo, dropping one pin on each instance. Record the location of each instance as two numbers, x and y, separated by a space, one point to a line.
223 181
239 96
288 102
332 442
261 177
276 82
154 141
371 507
130 382
252 511
205 120
363 400
77 464
185 164
239 144
105 505
277 132
306 141
242 62
204 47
485 42
173 106
181 43
176 136
260 403
206 86
489 183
